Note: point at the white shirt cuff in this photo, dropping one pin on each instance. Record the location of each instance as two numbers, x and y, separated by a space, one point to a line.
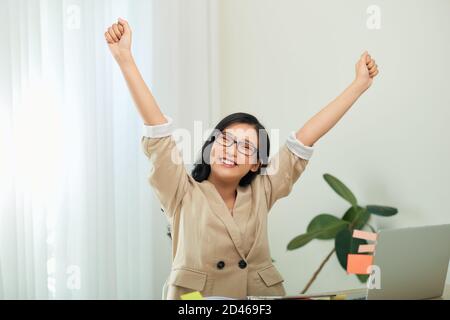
159 131
298 148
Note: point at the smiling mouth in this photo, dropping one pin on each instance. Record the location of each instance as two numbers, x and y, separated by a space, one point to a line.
227 162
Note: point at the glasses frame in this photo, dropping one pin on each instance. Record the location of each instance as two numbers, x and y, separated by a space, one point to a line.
234 140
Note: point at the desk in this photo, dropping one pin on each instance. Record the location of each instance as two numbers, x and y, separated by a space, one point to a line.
445 296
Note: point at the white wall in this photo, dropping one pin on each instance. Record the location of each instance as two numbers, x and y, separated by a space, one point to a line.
283 60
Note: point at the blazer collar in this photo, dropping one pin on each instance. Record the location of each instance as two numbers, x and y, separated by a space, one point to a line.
243 203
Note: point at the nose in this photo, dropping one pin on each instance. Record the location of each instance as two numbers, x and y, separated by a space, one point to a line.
230 154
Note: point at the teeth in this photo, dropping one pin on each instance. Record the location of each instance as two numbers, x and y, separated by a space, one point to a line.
229 162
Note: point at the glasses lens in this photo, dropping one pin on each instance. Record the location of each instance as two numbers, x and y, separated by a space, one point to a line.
246 148
225 139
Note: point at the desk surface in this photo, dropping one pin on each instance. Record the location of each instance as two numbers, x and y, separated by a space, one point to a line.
445 296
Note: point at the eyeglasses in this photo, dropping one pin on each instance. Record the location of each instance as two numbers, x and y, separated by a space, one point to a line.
245 147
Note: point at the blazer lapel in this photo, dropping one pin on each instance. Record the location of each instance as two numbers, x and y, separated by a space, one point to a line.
220 209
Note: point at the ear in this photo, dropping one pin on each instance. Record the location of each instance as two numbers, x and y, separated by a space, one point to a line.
256 166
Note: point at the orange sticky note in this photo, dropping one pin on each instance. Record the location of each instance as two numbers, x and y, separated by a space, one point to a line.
359 263
364 235
366 248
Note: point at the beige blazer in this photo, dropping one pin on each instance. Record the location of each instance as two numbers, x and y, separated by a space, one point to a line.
214 252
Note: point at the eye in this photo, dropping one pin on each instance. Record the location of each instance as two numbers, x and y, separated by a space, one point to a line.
225 139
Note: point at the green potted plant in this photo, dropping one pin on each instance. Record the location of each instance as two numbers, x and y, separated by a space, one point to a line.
329 227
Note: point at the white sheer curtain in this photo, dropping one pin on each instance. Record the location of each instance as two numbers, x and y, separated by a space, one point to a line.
77 217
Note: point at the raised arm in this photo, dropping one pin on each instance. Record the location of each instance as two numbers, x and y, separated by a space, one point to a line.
168 175
322 122
119 37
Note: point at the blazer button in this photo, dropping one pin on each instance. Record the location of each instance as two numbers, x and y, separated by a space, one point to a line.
220 265
242 264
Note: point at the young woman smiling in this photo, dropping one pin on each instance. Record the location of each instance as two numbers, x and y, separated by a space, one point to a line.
218 213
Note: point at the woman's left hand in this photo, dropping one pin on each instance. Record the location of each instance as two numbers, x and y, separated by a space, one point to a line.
366 71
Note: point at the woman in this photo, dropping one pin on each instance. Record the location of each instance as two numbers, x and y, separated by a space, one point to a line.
218 214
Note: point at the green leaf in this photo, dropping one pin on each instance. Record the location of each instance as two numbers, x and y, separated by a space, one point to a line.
362 277
357 216
372 228
382 210
326 225
345 245
342 244
300 241
340 188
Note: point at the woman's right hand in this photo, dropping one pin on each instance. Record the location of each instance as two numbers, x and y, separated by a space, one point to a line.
118 37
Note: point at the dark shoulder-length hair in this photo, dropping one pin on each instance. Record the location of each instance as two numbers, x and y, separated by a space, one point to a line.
202 168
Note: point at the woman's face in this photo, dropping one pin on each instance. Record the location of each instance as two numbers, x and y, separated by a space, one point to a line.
235 152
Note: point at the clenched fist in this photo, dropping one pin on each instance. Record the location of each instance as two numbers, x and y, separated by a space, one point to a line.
118 37
366 70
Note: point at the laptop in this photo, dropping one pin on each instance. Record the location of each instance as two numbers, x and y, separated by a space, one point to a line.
411 263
